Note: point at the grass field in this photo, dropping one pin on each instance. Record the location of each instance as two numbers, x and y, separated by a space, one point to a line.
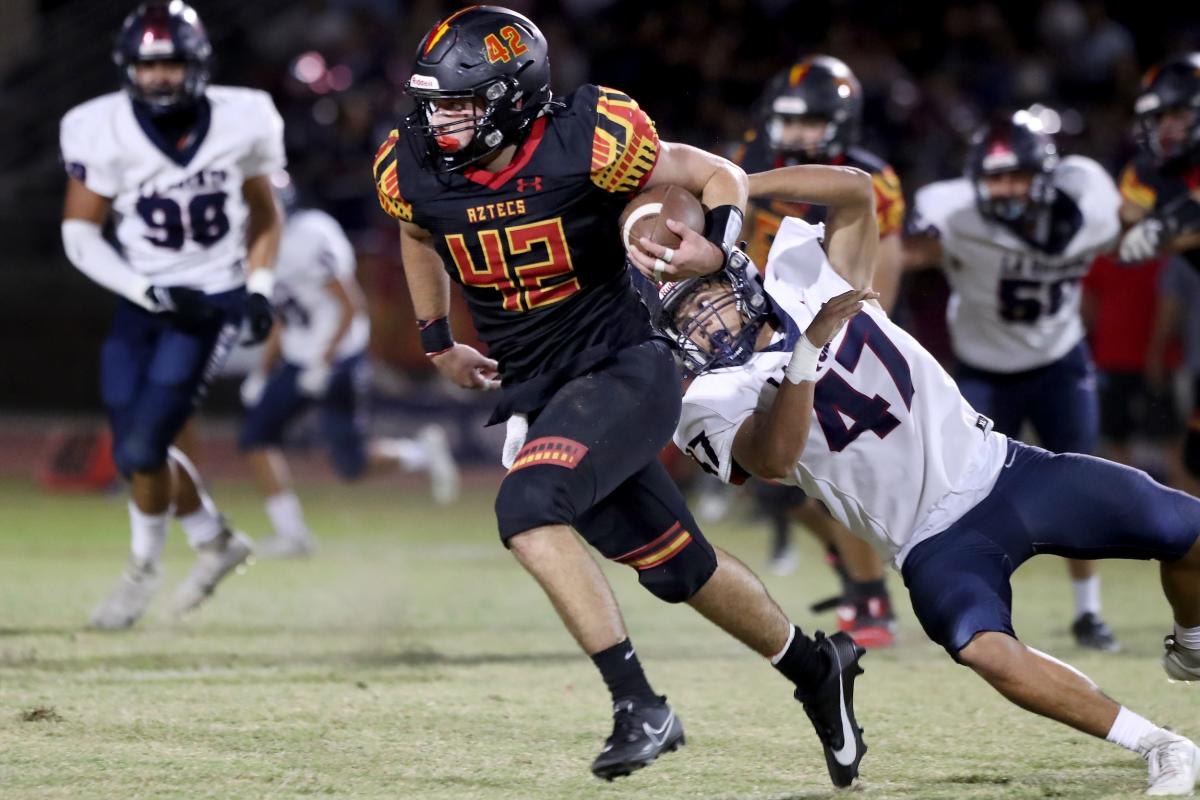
414 659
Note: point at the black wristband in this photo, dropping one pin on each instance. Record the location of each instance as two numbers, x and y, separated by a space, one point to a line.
1181 215
435 335
722 225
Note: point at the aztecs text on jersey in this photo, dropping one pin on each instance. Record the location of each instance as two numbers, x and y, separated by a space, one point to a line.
763 217
536 246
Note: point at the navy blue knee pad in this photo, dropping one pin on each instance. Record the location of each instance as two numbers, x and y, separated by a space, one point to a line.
136 452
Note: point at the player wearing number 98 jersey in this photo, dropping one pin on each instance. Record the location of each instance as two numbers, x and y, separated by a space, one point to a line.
182 170
1015 237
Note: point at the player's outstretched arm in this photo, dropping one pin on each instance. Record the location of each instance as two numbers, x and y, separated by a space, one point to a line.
721 185
851 228
429 286
769 443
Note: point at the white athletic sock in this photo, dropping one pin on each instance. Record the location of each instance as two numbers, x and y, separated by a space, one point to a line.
408 453
1128 729
1087 596
201 526
775 659
287 518
148 534
1187 637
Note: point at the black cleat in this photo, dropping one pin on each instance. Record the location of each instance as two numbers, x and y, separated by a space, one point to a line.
641 732
830 707
1092 632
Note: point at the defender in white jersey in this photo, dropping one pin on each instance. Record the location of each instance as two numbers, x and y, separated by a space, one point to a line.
1015 237
316 355
810 383
182 171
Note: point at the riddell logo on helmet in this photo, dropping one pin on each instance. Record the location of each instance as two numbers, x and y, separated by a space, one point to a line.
424 82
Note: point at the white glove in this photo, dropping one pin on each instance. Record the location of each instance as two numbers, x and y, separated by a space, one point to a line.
314 380
252 388
1142 241
514 439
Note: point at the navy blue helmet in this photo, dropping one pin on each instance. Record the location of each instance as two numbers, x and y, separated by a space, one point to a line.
701 337
1017 144
164 31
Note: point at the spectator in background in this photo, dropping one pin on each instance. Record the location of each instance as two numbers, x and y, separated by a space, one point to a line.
1119 310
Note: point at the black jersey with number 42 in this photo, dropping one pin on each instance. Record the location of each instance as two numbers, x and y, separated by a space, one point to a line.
536 245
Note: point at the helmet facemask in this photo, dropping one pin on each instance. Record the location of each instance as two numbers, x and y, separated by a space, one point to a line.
714 321
504 120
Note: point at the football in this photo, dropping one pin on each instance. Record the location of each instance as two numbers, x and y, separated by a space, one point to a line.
647 215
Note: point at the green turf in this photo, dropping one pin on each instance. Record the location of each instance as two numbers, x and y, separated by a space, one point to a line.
414 659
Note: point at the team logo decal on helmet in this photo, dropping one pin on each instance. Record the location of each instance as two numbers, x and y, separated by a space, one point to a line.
493 57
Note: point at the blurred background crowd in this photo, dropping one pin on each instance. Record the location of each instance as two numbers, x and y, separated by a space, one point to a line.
931 72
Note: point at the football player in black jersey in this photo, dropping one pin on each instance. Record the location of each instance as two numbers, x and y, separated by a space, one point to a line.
1160 189
515 195
811 113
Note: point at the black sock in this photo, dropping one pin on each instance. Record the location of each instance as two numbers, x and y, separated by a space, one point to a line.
623 673
861 590
802 663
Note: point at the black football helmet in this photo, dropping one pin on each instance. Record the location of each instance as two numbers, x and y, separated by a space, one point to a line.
1011 145
702 345
819 87
484 53
1173 85
164 31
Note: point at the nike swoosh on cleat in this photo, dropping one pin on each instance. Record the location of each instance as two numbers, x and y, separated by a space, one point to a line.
658 735
846 753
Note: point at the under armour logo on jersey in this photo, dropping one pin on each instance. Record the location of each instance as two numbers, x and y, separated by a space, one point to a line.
534 184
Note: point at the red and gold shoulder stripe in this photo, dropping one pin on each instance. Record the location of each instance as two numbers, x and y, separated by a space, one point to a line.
889 201
624 144
1136 192
387 182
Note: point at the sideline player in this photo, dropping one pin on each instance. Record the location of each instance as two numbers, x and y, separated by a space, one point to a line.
1016 235
182 168
316 355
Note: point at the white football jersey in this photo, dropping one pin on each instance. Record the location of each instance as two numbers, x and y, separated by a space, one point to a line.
1014 307
180 217
894 450
314 250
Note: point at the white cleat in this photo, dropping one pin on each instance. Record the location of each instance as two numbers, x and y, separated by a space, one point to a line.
443 470
1174 763
280 547
213 562
129 598
1180 663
